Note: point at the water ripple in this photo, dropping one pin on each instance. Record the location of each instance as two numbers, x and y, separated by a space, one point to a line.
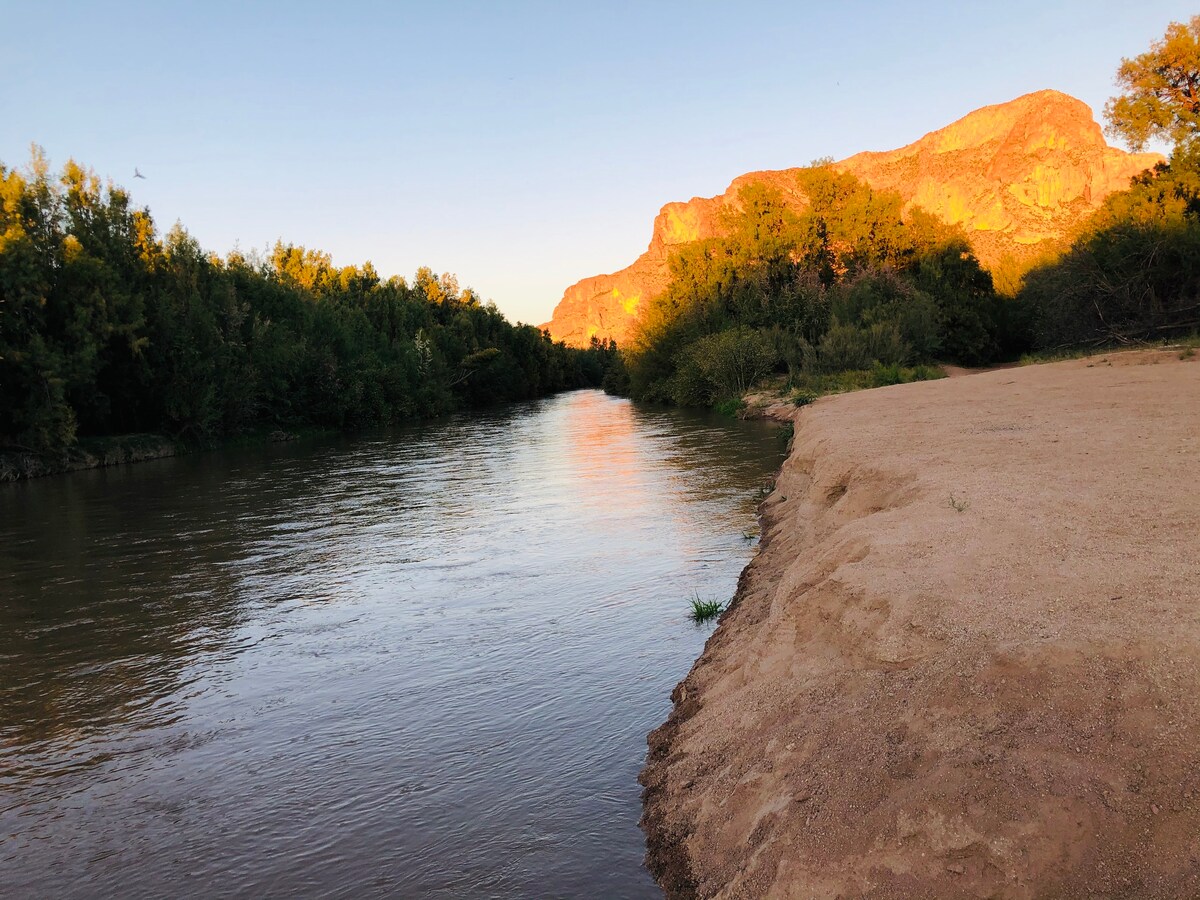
422 662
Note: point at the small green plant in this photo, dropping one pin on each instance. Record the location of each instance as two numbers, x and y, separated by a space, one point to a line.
883 376
764 491
1187 353
802 397
958 505
786 433
703 610
730 407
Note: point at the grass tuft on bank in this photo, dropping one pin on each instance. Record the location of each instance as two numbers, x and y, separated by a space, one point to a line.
704 610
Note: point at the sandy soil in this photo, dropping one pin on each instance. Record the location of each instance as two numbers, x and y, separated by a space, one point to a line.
909 700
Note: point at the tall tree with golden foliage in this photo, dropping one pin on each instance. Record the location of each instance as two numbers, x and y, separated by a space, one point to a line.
1133 273
1161 91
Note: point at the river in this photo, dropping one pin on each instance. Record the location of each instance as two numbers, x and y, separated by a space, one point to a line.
417 663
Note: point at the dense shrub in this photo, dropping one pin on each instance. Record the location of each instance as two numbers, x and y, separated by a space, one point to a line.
846 347
850 281
1134 273
731 361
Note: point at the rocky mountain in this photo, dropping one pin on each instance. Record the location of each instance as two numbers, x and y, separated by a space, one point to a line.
1017 176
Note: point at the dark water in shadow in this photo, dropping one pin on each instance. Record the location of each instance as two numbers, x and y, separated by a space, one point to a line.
421 663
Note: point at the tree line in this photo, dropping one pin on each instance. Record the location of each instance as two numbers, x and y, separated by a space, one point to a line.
107 328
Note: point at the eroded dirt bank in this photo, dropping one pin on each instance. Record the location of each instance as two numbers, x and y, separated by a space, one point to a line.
915 701
96 453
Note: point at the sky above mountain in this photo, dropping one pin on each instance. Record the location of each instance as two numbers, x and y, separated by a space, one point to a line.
520 145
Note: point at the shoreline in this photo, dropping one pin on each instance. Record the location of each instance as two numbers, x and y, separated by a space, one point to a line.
911 699
121 450
116 450
666 856
94 453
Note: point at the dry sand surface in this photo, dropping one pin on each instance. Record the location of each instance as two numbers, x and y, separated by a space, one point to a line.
914 701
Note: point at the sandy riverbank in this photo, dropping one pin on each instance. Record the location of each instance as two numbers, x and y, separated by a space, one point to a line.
915 701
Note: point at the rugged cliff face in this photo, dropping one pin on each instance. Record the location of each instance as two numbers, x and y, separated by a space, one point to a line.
1017 176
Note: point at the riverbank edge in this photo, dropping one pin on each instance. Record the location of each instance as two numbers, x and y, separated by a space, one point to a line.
97 453
108 452
118 450
666 857
667 827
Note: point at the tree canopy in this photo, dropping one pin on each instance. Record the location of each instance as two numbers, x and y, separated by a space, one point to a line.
107 328
1161 90
849 281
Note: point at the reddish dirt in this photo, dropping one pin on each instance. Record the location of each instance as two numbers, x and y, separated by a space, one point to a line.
914 700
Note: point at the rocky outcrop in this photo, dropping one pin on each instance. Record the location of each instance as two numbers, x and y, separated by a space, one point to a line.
1017 177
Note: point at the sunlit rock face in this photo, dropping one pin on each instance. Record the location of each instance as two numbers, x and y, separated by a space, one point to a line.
1017 177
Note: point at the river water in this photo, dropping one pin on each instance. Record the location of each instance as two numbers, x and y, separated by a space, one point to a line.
420 663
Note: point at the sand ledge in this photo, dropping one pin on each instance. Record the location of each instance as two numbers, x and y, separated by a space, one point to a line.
911 700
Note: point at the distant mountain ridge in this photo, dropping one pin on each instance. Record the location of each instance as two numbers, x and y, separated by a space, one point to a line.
1017 176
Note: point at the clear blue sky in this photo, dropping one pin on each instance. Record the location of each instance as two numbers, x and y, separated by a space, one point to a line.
521 145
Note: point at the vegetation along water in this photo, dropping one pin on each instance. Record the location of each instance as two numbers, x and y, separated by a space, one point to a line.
422 661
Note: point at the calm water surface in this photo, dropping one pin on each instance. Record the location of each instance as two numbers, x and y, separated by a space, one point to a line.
420 664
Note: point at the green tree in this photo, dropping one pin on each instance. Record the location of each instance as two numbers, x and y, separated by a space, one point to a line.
729 362
848 279
106 328
1135 272
1161 90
